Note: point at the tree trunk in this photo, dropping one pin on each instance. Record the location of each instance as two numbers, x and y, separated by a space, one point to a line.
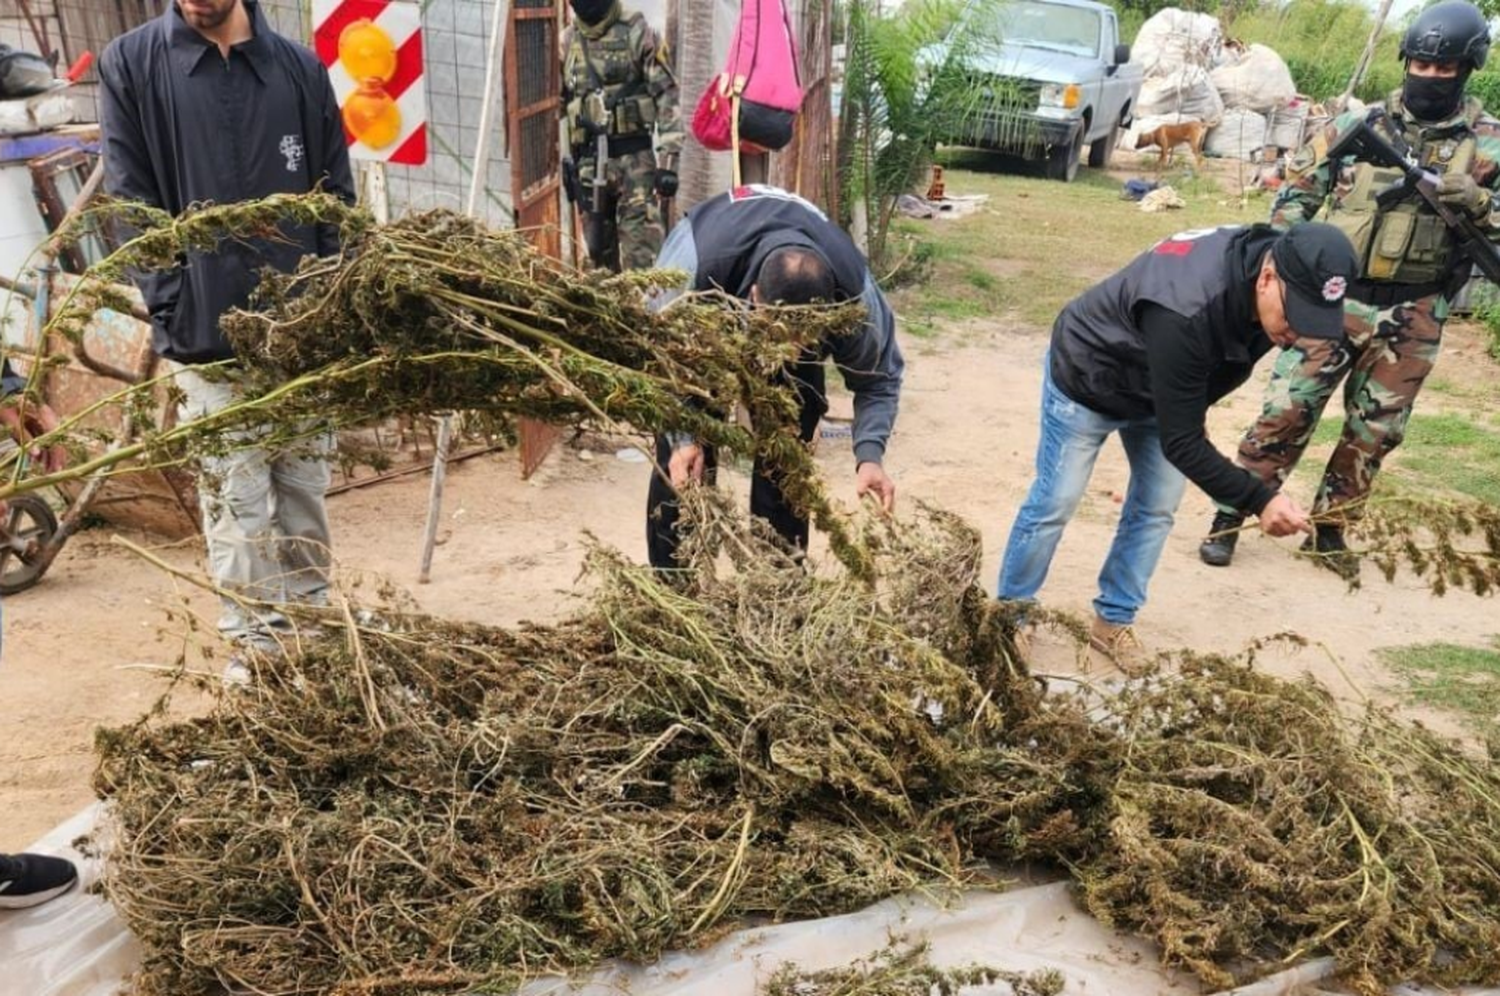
694 20
1364 60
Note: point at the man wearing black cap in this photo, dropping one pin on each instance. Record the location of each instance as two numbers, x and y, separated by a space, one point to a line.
1409 269
766 246
1144 354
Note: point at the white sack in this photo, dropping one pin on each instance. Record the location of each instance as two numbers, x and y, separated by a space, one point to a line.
1188 94
1288 126
1239 136
1258 81
1173 38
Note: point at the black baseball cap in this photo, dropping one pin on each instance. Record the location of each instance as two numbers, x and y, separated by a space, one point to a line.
1316 264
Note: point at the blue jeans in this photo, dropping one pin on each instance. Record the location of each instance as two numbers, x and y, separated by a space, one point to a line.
1072 436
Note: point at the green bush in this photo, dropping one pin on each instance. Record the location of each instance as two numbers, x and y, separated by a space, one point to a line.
1321 41
1486 86
1487 314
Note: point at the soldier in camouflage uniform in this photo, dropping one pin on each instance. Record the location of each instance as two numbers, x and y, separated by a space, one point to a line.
618 84
1395 310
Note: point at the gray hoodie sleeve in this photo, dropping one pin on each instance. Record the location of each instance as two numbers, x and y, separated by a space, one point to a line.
679 252
872 367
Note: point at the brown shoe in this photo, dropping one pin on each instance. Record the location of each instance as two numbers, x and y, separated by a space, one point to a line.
1120 645
1018 645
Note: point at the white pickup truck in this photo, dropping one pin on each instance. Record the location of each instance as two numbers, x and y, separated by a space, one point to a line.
1049 77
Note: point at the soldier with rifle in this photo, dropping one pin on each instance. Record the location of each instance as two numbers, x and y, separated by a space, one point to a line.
1412 185
624 130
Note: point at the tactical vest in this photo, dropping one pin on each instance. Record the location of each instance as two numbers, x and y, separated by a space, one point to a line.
1406 243
605 87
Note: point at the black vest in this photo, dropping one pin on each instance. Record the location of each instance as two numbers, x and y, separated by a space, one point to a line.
1099 351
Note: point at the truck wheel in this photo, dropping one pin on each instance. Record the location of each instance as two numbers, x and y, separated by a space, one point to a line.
1062 159
1102 148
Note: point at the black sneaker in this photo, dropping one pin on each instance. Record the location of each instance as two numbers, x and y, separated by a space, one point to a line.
1328 548
1218 549
32 879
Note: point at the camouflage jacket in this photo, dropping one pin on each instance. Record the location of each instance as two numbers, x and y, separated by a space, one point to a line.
622 60
1314 186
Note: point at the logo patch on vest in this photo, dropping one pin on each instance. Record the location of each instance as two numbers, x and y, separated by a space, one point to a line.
1334 288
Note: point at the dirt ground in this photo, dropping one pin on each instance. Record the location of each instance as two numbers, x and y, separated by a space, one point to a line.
83 649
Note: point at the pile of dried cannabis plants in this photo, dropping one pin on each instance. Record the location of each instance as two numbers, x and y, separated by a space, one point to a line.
414 806
435 313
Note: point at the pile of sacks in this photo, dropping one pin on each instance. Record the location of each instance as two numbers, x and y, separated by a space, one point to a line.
1244 94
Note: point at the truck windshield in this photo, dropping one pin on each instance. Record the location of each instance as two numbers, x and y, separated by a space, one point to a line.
1042 25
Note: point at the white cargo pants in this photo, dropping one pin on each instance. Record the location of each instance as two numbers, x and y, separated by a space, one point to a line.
264 518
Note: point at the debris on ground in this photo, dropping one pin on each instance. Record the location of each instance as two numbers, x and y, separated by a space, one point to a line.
1162 199
907 971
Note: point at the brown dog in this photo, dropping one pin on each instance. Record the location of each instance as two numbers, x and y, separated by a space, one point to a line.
1167 137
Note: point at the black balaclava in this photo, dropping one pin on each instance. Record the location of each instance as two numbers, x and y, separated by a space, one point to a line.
591 12
1433 98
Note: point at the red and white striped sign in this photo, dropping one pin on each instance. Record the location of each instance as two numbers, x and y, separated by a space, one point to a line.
383 99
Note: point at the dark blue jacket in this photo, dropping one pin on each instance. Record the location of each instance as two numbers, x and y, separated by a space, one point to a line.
722 243
182 126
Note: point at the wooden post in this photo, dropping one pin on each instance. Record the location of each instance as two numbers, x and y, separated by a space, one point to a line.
476 192
487 109
695 67
435 497
1364 59
377 196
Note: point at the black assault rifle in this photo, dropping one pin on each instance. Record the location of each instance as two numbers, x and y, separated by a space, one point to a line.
1363 141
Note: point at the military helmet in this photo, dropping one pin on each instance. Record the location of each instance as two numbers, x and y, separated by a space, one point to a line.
1450 31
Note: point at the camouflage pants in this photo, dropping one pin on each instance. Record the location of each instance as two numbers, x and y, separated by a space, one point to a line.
1390 352
628 230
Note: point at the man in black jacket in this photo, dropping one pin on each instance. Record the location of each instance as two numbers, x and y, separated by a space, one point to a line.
1144 354
208 104
766 246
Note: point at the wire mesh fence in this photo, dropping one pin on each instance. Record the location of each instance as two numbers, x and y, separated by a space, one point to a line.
456 49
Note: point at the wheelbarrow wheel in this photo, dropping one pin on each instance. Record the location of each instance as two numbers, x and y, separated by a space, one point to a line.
28 527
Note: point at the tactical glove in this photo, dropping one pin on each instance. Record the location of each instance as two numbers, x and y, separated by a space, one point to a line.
666 184
1460 192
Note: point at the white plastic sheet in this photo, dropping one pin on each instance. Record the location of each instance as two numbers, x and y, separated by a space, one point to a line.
76 946
1257 80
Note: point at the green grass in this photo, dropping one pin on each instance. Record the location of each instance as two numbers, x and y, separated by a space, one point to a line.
1442 452
1036 244
1454 453
1463 680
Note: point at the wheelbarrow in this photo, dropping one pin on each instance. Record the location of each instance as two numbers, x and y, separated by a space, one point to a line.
114 353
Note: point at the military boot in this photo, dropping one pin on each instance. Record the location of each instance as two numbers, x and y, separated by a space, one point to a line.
1329 549
1218 549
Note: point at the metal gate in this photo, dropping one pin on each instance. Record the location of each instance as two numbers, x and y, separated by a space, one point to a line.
533 88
